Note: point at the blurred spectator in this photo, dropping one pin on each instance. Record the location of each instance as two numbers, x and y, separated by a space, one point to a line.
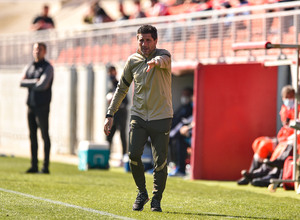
288 21
181 142
38 78
186 7
220 4
96 14
180 133
271 147
124 16
269 169
138 13
236 4
43 21
173 2
186 108
120 118
157 9
204 5
90 15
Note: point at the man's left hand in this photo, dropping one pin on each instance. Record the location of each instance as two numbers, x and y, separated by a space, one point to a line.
108 125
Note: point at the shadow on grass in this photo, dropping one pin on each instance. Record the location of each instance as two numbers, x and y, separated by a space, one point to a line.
222 215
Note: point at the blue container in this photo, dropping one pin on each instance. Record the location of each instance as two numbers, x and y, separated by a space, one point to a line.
93 155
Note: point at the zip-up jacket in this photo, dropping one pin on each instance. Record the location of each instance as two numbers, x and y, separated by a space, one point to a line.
38 78
152 98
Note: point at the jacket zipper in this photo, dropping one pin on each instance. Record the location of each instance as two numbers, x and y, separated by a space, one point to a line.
146 106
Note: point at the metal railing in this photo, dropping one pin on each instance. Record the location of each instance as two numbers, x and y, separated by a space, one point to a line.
204 37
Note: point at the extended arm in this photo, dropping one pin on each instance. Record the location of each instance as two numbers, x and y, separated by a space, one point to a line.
163 61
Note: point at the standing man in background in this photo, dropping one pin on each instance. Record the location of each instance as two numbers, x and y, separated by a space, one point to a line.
38 78
43 21
151 112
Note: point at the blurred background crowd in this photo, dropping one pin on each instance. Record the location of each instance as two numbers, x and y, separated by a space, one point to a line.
16 16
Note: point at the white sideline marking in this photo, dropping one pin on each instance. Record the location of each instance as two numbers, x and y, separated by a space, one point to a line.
66 204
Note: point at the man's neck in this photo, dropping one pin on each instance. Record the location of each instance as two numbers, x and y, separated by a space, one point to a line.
146 56
39 60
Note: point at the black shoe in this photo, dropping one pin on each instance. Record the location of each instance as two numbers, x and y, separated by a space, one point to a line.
141 199
243 181
32 170
260 182
155 205
45 171
247 175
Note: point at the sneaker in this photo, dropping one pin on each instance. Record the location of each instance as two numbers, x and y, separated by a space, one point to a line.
243 181
155 205
246 174
32 170
141 199
260 182
45 171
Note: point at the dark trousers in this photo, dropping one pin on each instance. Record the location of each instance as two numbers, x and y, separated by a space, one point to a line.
181 152
120 123
262 173
158 131
38 117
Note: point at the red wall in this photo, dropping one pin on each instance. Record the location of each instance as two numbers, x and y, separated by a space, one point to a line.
233 105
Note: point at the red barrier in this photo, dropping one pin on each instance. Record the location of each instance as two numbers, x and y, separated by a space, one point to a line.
234 104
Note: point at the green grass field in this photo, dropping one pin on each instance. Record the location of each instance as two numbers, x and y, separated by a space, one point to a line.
68 193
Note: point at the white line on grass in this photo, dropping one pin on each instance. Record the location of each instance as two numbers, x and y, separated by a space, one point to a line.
66 204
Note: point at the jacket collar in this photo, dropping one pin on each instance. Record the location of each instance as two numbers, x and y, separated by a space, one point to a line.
39 62
150 55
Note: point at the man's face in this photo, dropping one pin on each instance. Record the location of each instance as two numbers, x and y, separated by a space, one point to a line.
38 52
112 72
146 44
45 11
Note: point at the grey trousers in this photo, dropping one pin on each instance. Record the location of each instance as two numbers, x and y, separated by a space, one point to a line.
158 131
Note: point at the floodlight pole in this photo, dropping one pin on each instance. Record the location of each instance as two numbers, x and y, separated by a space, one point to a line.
296 116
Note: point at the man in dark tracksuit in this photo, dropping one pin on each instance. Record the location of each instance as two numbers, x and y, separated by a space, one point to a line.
151 112
38 78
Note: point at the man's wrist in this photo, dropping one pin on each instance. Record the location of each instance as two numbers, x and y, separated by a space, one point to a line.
108 116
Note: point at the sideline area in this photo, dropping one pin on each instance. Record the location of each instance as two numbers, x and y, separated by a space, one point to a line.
114 192
73 159
65 204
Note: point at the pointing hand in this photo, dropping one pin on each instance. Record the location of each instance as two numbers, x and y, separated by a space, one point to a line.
152 63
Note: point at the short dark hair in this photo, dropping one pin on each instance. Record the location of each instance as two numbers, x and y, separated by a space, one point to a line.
148 29
110 68
288 89
189 91
42 44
